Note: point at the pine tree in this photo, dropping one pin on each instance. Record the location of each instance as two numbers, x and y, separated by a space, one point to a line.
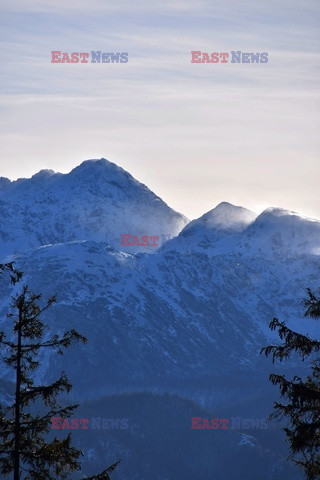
26 451
301 405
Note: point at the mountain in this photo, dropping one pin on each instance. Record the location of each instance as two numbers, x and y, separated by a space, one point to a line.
279 233
200 303
153 319
187 321
275 233
96 201
218 230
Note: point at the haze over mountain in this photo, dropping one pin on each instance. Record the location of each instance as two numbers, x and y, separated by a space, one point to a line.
275 233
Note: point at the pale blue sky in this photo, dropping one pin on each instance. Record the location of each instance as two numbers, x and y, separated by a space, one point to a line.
196 134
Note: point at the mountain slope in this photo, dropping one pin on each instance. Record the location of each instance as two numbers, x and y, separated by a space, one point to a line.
151 319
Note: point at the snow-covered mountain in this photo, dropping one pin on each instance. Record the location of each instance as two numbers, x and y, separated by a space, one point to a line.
95 201
217 231
278 233
274 234
188 319
201 303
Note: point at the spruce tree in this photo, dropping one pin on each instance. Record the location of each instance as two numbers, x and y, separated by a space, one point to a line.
25 449
301 396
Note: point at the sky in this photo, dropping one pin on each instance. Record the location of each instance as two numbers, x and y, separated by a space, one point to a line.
195 134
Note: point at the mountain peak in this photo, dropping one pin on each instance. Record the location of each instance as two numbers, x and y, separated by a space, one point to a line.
43 174
100 165
275 214
215 230
102 171
5 183
226 216
95 163
278 232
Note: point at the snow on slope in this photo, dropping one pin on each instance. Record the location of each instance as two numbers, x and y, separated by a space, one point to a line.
96 201
217 229
275 233
280 233
224 217
190 318
170 315
200 304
